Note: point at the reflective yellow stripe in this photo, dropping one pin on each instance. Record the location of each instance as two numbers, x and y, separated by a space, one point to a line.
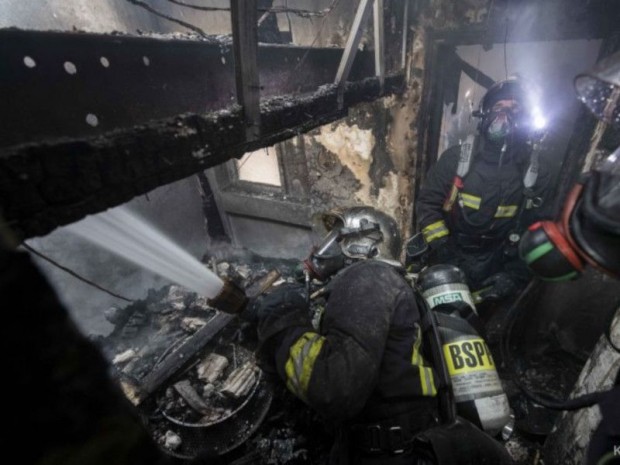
471 201
427 380
447 205
506 211
435 231
300 363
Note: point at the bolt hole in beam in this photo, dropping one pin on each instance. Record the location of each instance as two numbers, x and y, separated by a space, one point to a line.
70 68
92 120
146 61
29 62
104 62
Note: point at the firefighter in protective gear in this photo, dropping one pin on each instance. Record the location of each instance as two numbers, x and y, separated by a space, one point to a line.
480 195
365 368
589 233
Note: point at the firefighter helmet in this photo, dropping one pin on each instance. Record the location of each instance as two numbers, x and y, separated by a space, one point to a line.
599 89
512 88
365 232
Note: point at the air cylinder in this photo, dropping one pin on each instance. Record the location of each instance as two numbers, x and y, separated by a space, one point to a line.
477 388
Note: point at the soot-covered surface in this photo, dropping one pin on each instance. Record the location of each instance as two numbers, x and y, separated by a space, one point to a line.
223 404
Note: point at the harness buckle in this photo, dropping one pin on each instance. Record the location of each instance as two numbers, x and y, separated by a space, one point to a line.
373 436
396 440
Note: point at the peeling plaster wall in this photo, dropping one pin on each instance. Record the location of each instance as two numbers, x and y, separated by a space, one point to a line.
365 160
353 148
369 158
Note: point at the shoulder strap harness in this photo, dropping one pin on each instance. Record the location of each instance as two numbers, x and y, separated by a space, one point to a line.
464 165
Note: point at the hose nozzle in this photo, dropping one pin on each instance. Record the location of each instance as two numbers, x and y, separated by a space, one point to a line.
230 299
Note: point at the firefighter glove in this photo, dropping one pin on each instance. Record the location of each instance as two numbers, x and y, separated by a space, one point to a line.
277 314
282 300
498 286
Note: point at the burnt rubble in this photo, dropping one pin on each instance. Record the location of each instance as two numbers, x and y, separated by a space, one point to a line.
223 404
226 403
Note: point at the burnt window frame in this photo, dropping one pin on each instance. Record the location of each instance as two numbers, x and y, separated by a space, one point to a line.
289 203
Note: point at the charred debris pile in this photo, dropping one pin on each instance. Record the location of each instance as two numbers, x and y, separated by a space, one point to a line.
220 403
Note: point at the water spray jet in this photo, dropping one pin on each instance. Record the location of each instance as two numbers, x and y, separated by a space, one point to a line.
132 238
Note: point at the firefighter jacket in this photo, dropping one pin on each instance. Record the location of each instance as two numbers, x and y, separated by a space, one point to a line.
367 361
492 206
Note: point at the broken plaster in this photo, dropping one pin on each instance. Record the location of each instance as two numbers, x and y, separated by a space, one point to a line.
353 147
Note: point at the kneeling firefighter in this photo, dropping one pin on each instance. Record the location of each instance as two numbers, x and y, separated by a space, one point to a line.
366 366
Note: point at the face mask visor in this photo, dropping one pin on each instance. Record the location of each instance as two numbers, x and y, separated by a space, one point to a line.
327 258
361 242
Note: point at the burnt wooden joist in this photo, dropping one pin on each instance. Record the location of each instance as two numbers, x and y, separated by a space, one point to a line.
186 354
46 185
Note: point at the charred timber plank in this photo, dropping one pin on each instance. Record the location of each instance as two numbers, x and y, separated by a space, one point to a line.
245 43
121 81
46 185
189 394
181 358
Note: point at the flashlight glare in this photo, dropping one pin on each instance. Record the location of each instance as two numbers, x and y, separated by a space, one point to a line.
538 120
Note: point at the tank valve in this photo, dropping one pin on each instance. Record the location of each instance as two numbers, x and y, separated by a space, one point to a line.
509 427
230 299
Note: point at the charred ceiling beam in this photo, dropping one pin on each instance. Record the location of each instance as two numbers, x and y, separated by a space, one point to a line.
245 43
56 84
89 121
48 184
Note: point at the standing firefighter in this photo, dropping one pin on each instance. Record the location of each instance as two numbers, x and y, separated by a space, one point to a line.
366 367
480 195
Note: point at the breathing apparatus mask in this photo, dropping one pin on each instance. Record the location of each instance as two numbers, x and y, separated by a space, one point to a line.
589 229
505 112
355 233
